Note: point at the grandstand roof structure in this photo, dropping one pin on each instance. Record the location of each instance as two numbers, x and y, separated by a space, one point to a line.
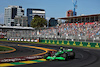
16 27
82 18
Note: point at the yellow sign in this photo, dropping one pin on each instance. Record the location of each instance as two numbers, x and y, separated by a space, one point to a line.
81 44
68 43
88 45
62 42
49 41
45 41
57 42
53 42
74 43
97 45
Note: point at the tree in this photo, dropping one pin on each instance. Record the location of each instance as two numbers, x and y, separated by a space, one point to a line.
38 22
53 22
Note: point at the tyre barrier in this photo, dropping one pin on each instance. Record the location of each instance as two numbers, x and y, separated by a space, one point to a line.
63 42
28 40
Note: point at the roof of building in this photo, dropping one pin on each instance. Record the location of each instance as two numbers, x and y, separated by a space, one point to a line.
17 27
35 9
79 16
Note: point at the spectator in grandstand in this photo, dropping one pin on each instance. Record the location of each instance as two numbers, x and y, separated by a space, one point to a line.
74 29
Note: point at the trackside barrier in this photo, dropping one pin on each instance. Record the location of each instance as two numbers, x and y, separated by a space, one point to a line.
25 39
18 39
32 40
15 39
86 44
29 40
21 39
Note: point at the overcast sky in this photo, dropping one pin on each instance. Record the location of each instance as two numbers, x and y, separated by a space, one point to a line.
53 8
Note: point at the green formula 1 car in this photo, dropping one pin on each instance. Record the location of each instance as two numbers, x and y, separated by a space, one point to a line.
62 54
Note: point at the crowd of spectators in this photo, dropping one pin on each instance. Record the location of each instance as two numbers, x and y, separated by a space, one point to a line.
2 34
89 30
49 31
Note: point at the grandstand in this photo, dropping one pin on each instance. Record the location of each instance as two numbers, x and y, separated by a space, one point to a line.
85 30
67 31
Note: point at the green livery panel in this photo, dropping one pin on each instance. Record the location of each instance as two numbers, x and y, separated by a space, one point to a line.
55 58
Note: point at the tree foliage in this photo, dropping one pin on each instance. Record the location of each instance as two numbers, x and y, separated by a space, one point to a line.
38 22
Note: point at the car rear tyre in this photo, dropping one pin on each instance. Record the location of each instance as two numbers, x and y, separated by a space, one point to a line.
72 55
65 55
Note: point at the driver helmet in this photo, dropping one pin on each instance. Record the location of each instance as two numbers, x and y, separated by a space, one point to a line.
61 48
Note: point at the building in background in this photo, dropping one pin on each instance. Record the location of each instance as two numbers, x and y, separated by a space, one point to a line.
70 13
53 22
82 18
1 24
10 13
20 21
32 12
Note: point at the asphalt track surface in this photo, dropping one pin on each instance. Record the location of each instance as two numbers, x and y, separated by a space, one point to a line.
84 57
20 51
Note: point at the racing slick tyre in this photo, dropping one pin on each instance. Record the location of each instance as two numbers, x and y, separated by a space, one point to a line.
65 55
72 55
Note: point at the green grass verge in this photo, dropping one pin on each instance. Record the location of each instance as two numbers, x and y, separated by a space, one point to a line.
3 39
3 48
49 44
